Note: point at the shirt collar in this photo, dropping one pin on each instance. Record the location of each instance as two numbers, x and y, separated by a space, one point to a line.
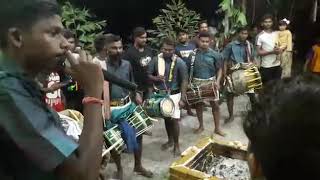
10 65
237 42
111 64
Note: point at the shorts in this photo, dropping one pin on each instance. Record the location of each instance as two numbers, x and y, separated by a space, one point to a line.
176 99
270 74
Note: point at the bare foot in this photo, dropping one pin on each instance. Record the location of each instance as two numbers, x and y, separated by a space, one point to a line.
199 130
190 113
229 120
166 146
176 152
143 172
219 132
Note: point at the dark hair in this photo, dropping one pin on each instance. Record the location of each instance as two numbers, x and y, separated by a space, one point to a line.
203 22
181 31
267 16
111 38
67 33
101 41
283 23
24 14
283 128
204 34
138 31
243 28
167 41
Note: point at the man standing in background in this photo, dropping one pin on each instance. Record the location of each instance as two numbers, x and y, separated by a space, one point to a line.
267 49
139 55
183 49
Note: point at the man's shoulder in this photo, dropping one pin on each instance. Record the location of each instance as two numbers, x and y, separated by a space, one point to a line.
213 52
191 44
156 57
148 49
180 63
266 35
231 44
131 51
261 33
125 62
9 81
179 60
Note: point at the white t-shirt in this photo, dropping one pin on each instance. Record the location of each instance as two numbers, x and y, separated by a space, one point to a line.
267 41
102 63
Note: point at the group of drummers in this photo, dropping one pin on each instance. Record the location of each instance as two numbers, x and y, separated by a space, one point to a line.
183 75
35 141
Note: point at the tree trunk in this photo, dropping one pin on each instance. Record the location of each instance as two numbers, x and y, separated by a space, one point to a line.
315 11
253 11
244 6
292 9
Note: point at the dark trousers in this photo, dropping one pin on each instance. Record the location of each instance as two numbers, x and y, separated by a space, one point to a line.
270 74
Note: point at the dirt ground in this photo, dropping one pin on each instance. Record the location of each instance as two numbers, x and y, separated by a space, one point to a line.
159 161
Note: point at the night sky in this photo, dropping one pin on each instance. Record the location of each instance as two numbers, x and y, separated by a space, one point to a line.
123 15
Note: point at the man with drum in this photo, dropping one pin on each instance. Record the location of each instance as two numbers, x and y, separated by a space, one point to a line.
183 49
206 68
120 100
169 75
235 53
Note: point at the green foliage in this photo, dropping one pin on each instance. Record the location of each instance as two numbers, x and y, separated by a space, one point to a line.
175 17
234 17
81 22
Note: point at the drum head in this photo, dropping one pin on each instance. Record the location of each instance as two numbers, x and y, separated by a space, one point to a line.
167 107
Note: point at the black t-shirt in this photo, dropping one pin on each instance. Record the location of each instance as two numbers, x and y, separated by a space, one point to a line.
139 62
72 92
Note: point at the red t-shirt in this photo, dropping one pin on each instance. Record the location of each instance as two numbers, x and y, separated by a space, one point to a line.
54 99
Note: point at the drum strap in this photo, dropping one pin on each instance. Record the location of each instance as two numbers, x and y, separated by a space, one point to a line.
248 51
161 67
173 65
193 59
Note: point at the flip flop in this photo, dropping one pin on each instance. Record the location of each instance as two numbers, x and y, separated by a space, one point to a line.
145 173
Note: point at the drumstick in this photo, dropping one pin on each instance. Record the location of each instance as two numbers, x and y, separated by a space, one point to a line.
110 148
165 86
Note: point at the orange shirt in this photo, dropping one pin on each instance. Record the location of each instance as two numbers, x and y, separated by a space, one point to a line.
315 59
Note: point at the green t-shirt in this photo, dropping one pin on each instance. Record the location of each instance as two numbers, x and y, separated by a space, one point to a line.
32 140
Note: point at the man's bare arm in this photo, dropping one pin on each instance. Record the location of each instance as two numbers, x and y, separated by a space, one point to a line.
84 163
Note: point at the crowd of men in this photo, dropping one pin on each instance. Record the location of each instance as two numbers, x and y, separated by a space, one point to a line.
42 71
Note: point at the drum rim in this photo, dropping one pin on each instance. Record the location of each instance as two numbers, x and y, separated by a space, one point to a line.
258 85
173 107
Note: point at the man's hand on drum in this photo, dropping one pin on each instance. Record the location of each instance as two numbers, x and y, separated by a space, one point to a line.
138 98
159 78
